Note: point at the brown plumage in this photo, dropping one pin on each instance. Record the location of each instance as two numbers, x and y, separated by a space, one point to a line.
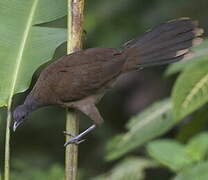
79 80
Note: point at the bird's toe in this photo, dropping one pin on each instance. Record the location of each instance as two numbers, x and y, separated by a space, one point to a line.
69 134
74 140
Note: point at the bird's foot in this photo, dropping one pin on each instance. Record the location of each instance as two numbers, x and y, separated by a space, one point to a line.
77 139
74 140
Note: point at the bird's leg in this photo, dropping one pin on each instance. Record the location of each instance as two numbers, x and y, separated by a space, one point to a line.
76 139
91 111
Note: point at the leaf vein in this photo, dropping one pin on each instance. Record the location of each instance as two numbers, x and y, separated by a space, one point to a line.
22 47
199 86
147 120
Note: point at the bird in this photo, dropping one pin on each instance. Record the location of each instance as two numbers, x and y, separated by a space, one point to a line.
79 80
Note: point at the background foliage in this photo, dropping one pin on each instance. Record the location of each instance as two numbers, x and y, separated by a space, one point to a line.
124 147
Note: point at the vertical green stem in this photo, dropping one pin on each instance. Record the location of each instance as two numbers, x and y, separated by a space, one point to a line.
75 20
7 146
71 156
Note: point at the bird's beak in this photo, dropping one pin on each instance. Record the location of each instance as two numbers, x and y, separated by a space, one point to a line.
16 124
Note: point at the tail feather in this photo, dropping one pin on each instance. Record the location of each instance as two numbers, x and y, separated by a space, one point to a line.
178 25
167 43
166 61
164 55
173 50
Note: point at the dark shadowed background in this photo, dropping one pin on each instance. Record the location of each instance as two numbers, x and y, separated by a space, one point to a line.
37 146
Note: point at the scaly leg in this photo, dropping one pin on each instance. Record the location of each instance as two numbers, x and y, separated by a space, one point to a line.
91 111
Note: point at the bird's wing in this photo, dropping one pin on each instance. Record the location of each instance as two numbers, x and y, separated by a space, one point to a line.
84 73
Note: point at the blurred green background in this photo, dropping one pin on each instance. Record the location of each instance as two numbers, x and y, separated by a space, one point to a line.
37 146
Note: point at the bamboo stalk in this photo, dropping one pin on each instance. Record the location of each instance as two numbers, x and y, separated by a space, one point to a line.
7 142
74 21
7 146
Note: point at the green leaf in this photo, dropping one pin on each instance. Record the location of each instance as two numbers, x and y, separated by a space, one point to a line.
197 172
152 122
196 124
197 148
199 57
130 168
169 153
190 91
23 46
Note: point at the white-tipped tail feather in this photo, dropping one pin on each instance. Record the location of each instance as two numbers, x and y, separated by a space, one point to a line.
167 43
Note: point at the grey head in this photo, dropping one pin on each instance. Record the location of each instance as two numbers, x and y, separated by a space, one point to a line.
20 114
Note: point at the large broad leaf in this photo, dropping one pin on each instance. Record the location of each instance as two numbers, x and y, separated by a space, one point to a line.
130 168
179 156
169 153
152 122
190 90
200 55
197 147
197 172
23 46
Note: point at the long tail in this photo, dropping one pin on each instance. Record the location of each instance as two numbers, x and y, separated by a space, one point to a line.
167 43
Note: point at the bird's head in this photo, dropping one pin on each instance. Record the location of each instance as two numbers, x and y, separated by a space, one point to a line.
20 114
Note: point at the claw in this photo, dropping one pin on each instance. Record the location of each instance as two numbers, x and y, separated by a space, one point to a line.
75 141
68 134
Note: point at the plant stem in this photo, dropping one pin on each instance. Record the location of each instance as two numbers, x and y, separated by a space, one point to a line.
7 146
75 20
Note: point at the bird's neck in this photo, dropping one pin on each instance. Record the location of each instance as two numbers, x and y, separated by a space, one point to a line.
30 103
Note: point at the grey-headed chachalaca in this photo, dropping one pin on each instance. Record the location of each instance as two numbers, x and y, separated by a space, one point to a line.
79 80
